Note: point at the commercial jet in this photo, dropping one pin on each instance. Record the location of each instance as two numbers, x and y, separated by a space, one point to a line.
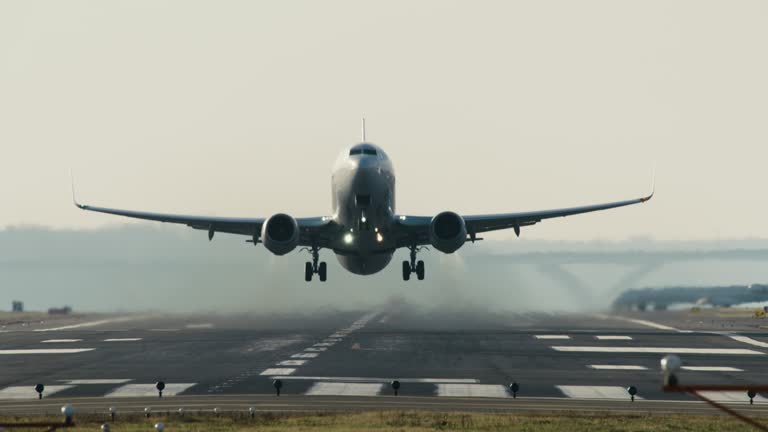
364 229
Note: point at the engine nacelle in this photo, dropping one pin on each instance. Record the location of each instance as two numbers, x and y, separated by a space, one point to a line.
447 232
280 234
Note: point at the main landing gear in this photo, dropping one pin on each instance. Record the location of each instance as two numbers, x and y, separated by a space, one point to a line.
413 266
312 268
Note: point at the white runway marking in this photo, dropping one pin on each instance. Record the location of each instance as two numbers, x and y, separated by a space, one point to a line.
316 349
90 324
748 340
718 396
292 362
547 337
164 330
712 369
595 392
122 340
28 392
61 340
96 381
143 390
278 371
472 390
344 389
45 351
381 380
657 350
613 337
305 355
324 344
199 326
618 367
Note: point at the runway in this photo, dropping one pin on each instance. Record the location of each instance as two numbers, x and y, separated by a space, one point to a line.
444 360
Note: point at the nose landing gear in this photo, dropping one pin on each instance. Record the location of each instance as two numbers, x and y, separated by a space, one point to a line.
315 267
414 266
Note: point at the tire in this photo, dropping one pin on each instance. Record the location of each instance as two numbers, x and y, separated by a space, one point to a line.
322 271
308 272
420 270
406 270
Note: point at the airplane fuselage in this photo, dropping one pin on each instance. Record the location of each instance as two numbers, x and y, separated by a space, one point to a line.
363 185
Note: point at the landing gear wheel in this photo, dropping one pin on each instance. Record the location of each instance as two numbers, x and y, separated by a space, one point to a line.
308 272
322 271
406 270
420 270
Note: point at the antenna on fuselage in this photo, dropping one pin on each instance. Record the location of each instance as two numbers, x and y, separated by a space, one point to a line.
363 129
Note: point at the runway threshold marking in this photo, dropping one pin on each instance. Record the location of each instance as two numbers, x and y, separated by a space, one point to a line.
595 392
472 390
609 337
96 381
122 340
308 355
292 362
732 397
28 392
657 350
617 367
379 379
344 389
61 340
547 337
90 324
45 351
148 390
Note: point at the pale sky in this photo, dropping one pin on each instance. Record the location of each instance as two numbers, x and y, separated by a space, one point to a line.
236 108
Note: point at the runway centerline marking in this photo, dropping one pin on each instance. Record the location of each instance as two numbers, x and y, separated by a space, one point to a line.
472 390
595 392
379 379
657 350
45 351
278 371
122 340
712 369
547 337
61 340
617 367
344 389
609 337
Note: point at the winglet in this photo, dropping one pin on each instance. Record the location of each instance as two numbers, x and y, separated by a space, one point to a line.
74 198
653 186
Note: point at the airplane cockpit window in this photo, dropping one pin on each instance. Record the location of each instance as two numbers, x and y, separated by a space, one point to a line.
364 151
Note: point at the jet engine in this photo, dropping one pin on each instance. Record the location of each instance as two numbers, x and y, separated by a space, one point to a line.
447 232
280 234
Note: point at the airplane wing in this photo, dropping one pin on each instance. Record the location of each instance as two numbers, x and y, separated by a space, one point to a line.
416 228
308 227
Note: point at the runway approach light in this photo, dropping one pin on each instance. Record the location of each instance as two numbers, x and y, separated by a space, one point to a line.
147 412
39 389
379 237
751 395
159 427
632 390
277 384
105 427
252 412
112 413
670 364
514 388
68 412
395 386
181 412
348 238
216 412
160 386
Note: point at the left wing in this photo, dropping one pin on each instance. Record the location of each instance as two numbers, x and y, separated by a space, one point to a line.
416 228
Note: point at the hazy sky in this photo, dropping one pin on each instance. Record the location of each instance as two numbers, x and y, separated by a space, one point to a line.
239 108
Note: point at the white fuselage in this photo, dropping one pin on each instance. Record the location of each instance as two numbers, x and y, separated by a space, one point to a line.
363 186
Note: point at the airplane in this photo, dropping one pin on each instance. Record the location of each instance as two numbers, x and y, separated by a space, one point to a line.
364 230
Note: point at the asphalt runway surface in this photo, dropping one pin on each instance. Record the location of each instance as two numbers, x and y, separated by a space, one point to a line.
444 360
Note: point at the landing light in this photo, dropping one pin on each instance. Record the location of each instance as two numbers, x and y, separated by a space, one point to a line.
379 237
348 238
